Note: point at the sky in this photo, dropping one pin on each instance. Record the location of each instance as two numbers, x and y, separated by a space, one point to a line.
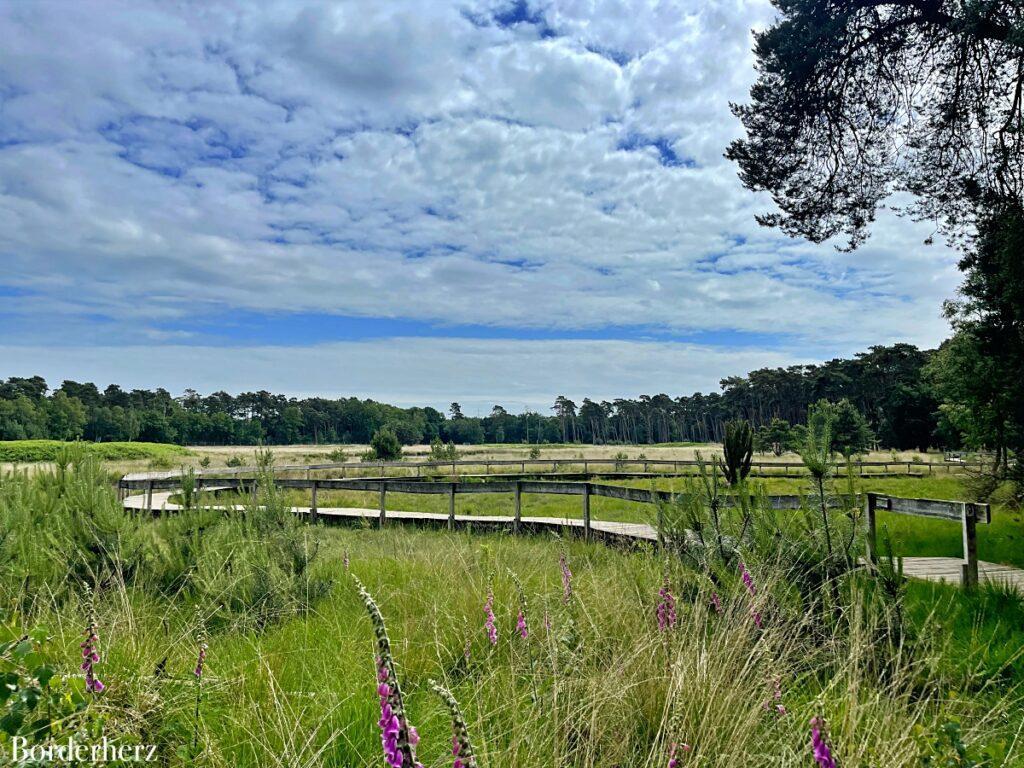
419 202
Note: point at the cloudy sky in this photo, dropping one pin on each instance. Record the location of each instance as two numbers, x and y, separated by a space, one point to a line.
480 200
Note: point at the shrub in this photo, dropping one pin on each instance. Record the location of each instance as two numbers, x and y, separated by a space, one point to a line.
535 452
738 451
235 461
440 451
384 445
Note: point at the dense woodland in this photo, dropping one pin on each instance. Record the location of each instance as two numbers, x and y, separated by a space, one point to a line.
889 385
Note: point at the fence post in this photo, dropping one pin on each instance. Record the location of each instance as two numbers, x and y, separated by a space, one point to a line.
451 506
383 493
586 511
312 508
970 567
517 517
870 538
149 497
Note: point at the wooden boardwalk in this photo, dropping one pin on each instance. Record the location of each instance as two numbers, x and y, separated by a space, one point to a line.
938 569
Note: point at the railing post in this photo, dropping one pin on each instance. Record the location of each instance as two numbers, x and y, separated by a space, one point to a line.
312 508
383 493
451 506
870 538
149 497
970 567
517 517
586 511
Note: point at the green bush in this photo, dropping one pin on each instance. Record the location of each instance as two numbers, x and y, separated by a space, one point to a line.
385 445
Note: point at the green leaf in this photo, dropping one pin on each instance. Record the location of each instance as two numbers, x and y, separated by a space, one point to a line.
11 722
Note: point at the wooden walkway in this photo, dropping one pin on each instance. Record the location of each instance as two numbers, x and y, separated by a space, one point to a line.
938 569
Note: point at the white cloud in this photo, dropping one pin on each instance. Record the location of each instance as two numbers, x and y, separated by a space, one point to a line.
416 160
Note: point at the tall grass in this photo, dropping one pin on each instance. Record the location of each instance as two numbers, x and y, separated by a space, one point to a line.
291 680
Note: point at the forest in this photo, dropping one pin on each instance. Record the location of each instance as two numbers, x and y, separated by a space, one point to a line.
896 388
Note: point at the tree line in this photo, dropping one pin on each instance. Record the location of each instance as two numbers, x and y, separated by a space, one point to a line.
897 390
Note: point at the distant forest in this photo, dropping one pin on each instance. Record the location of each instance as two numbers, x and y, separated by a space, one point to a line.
888 385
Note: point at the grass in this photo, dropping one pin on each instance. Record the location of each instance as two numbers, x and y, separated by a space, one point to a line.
601 687
28 451
301 693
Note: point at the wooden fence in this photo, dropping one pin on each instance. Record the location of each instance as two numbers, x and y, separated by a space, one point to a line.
538 466
967 513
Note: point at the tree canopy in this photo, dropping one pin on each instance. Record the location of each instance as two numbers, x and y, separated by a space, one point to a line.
858 99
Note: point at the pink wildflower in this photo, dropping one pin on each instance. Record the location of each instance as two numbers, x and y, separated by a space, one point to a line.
489 623
666 608
200 661
775 701
822 753
91 656
566 578
521 625
716 602
748 580
673 761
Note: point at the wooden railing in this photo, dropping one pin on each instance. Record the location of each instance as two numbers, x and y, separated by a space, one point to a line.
968 513
382 486
537 466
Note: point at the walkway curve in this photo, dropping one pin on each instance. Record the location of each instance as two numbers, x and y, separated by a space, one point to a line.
936 569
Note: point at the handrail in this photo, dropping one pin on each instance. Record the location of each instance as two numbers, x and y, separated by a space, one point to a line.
760 466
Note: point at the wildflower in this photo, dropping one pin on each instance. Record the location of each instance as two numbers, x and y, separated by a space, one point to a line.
666 608
344 560
398 738
201 657
90 654
547 622
673 761
716 602
822 753
748 582
462 747
566 578
775 701
521 626
489 622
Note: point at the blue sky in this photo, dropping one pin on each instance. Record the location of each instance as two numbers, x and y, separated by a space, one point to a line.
474 200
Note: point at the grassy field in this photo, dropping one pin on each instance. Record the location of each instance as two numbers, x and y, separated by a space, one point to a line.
33 451
288 678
